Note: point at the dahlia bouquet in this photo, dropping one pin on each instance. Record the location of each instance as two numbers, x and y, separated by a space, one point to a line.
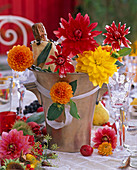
76 50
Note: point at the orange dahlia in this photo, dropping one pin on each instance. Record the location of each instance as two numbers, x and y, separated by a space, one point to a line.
61 92
20 58
105 149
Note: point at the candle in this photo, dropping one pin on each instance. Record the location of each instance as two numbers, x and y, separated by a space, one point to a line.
7 119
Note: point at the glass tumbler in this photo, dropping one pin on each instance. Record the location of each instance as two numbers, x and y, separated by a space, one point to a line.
5 94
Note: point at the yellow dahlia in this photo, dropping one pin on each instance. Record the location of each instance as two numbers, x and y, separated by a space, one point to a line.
98 64
105 149
61 92
20 58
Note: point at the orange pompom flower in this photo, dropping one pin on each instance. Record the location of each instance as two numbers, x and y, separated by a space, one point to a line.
61 92
20 58
105 149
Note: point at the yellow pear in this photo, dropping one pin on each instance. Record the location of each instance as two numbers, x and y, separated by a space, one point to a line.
101 115
134 102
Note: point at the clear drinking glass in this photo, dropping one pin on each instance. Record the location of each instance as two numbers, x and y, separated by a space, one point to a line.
20 78
132 67
130 134
119 89
5 94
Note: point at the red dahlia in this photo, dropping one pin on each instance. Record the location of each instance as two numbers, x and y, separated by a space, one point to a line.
62 62
105 135
116 35
77 35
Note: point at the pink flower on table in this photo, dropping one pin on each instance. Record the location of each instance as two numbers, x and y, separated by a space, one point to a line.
62 62
13 143
105 135
77 35
116 35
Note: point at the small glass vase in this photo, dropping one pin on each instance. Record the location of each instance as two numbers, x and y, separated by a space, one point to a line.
19 78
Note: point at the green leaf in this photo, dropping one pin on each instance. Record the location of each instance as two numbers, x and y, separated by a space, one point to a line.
57 71
37 117
55 111
115 55
118 63
48 70
44 54
74 85
124 51
73 109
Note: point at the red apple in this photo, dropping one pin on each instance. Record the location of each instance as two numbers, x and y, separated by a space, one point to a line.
86 150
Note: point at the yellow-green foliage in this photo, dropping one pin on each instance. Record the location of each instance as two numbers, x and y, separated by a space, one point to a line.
21 125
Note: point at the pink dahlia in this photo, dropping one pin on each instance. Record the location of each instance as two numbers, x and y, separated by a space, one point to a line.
116 36
62 62
12 144
77 35
105 135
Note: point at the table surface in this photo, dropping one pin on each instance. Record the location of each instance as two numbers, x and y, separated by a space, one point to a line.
75 161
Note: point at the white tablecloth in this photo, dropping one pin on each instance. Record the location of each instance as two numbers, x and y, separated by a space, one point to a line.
75 161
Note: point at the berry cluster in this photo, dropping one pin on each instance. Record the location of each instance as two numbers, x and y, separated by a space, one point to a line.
30 108
37 149
23 118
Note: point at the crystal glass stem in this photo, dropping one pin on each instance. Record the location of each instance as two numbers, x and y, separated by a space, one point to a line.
118 123
119 89
21 92
19 78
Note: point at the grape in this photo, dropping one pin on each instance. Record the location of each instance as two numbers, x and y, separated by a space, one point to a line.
31 108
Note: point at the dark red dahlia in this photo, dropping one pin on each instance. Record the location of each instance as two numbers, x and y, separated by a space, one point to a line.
35 128
116 35
62 62
77 35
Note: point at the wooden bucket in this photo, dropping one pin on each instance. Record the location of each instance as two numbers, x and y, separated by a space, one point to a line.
75 133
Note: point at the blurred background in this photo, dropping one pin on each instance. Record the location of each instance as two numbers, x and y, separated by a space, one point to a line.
17 16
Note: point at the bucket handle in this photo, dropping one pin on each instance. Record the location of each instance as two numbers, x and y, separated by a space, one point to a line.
57 125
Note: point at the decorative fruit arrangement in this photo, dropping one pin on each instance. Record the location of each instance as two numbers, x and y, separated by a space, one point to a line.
101 115
86 150
33 107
